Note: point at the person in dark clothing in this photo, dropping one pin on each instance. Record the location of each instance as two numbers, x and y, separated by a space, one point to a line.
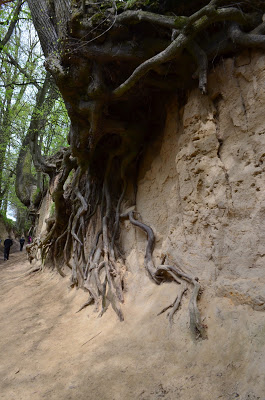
7 244
22 241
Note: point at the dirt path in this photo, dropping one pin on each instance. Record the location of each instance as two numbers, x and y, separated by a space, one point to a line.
38 341
48 351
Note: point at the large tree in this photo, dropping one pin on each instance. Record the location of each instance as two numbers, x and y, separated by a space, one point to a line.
115 63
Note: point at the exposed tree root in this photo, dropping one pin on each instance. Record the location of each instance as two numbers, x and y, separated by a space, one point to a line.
33 270
87 303
164 273
101 272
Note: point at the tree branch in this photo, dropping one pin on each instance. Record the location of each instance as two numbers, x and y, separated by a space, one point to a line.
19 84
22 70
39 119
12 25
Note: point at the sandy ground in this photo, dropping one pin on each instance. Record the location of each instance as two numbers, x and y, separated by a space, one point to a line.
48 351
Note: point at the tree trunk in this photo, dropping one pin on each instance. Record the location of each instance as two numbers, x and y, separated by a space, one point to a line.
25 181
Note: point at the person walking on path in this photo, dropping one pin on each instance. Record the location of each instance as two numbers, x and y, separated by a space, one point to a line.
7 244
22 241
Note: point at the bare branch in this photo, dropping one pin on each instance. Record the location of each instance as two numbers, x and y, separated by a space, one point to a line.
13 22
22 70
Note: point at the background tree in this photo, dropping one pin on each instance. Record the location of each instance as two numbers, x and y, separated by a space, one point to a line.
22 77
116 63
13 85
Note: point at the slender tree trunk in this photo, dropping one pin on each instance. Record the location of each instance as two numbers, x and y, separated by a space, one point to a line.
30 149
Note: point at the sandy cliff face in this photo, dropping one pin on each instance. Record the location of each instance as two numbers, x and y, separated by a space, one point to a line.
203 194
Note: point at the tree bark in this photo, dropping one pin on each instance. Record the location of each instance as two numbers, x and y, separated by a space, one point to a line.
44 26
12 24
30 150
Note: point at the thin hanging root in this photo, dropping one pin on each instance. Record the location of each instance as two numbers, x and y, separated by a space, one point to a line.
94 294
148 261
87 303
117 216
55 253
118 283
177 302
81 210
110 269
44 251
67 246
175 305
96 275
197 328
104 303
115 302
82 248
94 255
202 61
166 308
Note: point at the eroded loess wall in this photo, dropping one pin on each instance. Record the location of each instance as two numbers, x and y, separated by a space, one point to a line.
203 192
201 188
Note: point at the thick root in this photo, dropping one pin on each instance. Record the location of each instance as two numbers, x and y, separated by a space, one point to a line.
165 273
